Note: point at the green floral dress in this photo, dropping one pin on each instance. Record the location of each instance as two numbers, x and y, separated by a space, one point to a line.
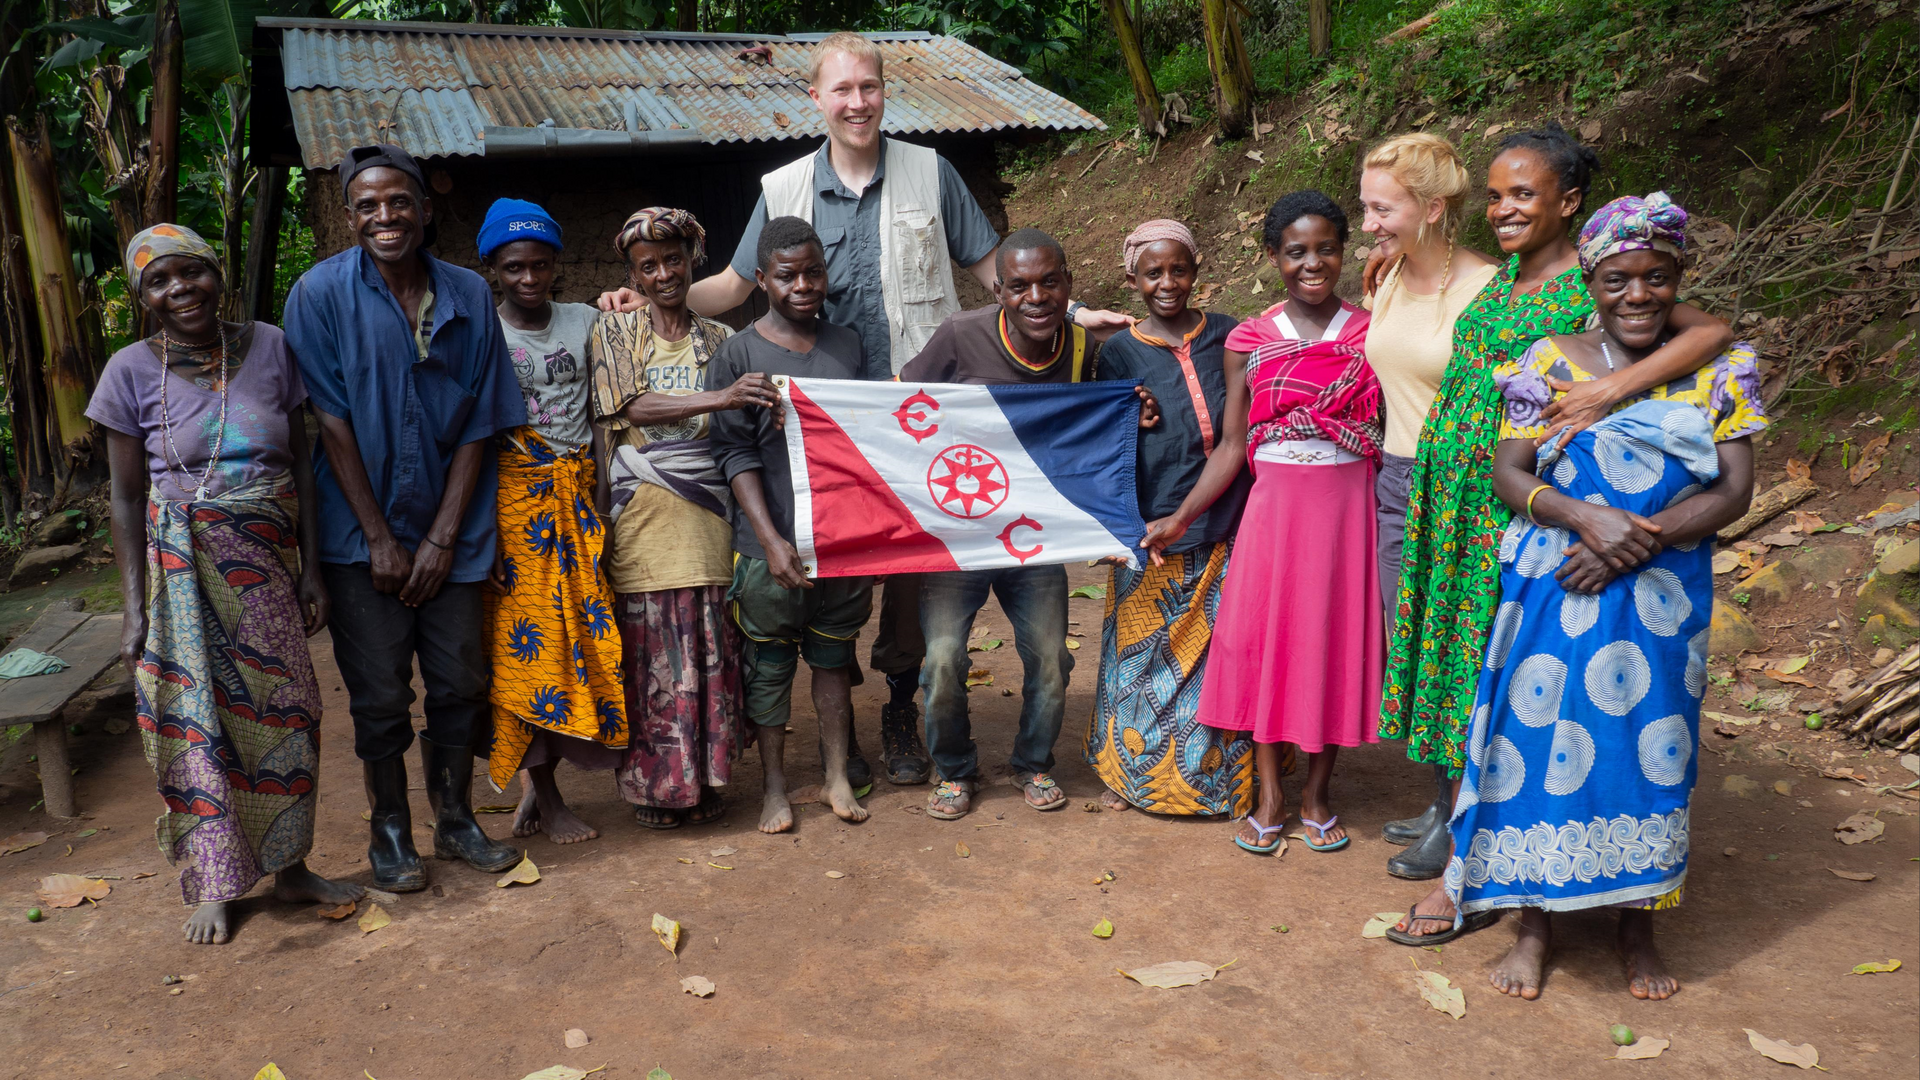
1450 566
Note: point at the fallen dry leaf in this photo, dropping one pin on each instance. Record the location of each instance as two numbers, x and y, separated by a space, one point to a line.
1640 1050
658 1073
1782 539
1851 875
1859 828
667 931
70 890
961 849
1803 1055
835 875
722 852
1376 927
698 986
984 646
341 912
1799 470
1793 665
979 677
1072 644
21 841
524 874
576 1038
1445 997
375 918
1103 929
561 1072
269 1071
1174 973
1876 968
1869 462
1725 562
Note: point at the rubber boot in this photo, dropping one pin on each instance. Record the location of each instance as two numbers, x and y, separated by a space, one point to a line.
456 835
901 749
1427 858
1406 830
396 865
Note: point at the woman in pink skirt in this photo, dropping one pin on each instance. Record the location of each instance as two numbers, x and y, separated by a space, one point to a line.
1297 648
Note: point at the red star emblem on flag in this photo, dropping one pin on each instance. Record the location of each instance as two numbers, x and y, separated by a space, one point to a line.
967 481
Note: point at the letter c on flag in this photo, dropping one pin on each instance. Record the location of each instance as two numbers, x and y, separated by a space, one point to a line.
1006 538
914 411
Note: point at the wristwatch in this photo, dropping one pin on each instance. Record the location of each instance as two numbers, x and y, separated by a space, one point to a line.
1074 308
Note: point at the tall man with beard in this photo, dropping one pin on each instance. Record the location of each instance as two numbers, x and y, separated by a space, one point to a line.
406 365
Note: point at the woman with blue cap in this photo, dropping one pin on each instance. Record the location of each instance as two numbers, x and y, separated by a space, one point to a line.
556 655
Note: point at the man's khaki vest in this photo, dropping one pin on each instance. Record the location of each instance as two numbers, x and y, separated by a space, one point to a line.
916 276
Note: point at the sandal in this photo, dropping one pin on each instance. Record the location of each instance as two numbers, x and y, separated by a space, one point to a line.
1478 920
1263 847
1039 784
710 808
1321 827
658 817
951 800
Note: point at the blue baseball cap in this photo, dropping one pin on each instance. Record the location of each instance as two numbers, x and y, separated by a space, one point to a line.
517 219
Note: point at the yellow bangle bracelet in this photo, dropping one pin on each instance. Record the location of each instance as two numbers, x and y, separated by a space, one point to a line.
1530 496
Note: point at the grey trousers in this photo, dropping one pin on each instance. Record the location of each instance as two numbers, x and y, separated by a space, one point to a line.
1390 489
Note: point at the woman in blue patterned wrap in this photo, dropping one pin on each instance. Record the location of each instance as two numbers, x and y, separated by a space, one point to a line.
1582 745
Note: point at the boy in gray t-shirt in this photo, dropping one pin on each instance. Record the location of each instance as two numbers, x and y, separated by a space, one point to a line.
784 616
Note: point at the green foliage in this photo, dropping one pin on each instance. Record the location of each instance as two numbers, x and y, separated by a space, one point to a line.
1015 31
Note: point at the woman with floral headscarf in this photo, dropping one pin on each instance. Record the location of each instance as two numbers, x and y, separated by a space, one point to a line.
1581 754
214 531
670 548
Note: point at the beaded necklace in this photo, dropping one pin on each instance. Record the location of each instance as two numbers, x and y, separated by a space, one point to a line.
179 465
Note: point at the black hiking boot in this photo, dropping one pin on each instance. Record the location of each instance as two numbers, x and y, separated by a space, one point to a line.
456 835
905 755
396 865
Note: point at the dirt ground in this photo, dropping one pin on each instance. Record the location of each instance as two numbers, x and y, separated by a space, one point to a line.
922 962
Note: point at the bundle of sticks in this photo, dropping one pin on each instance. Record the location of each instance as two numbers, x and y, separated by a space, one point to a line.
1885 707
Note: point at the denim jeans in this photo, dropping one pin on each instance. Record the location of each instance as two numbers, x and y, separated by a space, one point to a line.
375 640
1034 599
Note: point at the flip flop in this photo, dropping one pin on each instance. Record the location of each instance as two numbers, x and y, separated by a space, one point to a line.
1321 827
1262 848
1044 783
1479 920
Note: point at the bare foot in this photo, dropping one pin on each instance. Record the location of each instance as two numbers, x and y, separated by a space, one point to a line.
1518 974
1647 977
299 885
562 826
1432 915
1112 800
526 820
840 794
208 924
776 814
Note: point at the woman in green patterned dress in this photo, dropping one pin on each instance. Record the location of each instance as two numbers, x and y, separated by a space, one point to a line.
1449 582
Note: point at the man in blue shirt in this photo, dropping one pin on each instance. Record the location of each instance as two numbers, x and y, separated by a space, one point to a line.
406 366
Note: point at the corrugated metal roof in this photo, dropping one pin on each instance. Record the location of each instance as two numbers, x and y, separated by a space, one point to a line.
435 88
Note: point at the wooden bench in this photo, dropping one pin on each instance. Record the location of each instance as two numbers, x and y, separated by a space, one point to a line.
90 644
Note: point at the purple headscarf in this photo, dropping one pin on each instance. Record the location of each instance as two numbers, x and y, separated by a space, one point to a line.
1634 224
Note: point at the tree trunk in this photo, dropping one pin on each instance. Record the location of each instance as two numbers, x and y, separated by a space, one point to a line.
1319 27
263 241
480 12
20 337
1232 73
686 15
111 119
163 116
236 176
68 364
1146 96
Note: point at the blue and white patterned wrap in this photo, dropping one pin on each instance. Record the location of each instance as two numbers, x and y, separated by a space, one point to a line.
1581 753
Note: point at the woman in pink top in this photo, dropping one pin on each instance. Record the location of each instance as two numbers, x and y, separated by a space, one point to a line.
1297 649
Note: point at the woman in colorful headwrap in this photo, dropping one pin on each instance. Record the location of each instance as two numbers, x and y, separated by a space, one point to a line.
218 548
671 550
1581 758
1296 661
1449 584
1146 741
556 659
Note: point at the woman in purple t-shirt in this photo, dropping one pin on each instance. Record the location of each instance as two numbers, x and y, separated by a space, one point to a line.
219 566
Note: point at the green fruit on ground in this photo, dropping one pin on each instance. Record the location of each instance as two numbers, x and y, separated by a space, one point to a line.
1814 723
33 914
1622 1035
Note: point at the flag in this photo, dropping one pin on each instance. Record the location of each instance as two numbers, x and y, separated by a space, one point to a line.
892 477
